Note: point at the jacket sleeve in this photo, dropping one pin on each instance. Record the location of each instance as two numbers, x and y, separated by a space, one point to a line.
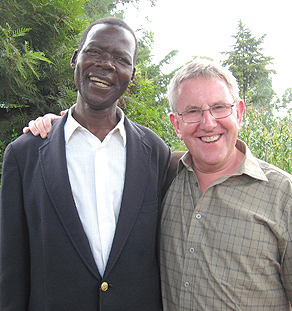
14 240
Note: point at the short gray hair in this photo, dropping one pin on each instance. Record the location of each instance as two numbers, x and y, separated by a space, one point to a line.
201 68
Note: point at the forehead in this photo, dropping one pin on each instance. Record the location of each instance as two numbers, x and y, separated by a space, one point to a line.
110 33
201 90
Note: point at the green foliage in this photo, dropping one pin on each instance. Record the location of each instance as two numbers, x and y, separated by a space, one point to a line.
269 139
286 99
138 103
38 39
154 71
139 106
96 9
154 99
249 66
19 67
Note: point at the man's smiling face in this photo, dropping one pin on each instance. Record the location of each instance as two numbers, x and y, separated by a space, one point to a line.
210 141
104 65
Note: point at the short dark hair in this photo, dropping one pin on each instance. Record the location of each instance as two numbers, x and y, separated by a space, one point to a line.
111 21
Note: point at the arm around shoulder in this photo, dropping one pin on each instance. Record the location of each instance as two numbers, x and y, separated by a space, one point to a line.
42 125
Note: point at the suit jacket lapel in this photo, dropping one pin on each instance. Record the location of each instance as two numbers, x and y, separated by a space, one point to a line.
54 168
138 157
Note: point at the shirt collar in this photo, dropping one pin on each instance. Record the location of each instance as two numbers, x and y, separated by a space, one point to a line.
72 125
249 166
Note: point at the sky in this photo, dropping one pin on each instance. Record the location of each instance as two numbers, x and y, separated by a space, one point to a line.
206 27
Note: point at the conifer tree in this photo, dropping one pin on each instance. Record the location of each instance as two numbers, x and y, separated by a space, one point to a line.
250 67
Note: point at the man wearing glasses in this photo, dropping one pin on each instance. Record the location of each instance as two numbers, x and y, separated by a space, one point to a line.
226 229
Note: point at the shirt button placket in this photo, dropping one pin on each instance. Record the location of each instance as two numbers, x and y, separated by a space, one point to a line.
192 251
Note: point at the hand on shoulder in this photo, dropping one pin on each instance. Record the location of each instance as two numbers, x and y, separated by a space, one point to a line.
42 125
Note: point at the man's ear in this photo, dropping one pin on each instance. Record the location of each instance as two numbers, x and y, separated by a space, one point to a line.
74 59
239 111
175 123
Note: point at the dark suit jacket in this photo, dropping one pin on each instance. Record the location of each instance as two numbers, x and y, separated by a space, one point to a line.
45 259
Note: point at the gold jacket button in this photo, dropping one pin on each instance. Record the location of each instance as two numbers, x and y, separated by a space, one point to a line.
104 286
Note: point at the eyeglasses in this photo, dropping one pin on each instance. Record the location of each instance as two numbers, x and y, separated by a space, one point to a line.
195 115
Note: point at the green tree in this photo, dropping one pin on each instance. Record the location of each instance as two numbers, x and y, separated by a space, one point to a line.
250 67
32 84
153 71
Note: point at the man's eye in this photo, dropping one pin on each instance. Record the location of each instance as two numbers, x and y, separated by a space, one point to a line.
93 51
121 60
194 111
218 107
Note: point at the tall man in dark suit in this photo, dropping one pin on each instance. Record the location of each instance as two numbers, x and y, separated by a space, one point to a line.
79 209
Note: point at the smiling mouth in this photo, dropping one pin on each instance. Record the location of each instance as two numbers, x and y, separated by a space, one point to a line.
210 139
100 82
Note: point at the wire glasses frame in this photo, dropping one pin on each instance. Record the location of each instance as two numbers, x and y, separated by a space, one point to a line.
195 115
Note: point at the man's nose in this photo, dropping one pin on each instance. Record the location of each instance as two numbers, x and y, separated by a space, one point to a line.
208 121
106 62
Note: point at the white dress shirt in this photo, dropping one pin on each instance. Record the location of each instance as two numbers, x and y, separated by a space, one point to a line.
96 173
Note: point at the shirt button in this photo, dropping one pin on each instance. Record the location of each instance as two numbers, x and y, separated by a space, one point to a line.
198 216
192 250
187 284
104 286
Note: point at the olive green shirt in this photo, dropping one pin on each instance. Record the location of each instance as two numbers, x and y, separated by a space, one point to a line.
230 248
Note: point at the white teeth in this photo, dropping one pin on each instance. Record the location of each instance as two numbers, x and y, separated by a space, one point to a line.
210 139
99 82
